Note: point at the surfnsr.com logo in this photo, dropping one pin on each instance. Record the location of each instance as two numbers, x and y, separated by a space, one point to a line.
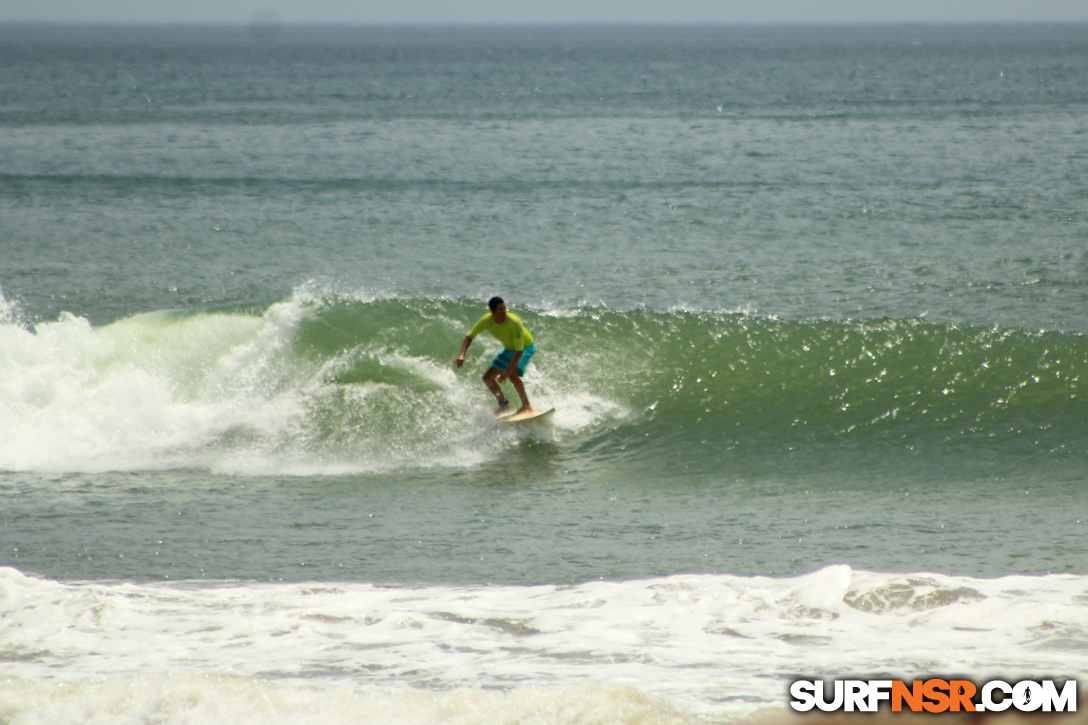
933 695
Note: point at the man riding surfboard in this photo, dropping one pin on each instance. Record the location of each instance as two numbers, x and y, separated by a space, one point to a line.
510 364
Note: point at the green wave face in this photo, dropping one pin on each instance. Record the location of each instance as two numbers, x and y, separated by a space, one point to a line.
725 389
697 385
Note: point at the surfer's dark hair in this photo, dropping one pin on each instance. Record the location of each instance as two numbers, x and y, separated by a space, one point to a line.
493 303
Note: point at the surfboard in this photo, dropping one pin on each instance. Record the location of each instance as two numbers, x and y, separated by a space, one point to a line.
523 417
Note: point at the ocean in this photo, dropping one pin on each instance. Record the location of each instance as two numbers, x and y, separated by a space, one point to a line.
811 304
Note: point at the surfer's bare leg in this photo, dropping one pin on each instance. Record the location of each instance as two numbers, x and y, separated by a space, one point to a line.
520 387
490 380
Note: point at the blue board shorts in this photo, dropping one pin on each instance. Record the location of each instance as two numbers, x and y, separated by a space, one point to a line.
502 360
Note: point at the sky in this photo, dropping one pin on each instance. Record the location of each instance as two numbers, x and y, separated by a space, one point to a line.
381 12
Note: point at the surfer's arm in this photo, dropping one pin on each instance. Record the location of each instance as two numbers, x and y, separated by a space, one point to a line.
464 348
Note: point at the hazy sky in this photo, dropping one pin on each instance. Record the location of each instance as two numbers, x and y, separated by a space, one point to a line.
544 11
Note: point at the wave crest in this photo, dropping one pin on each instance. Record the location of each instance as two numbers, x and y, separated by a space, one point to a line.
326 381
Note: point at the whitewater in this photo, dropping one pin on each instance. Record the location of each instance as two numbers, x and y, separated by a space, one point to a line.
437 654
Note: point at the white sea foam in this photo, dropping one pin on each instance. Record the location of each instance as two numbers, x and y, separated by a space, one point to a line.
146 392
713 646
241 701
228 391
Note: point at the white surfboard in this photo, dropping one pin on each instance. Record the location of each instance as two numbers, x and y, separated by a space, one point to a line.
523 417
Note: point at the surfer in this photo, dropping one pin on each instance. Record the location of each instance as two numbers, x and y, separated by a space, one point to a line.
510 364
